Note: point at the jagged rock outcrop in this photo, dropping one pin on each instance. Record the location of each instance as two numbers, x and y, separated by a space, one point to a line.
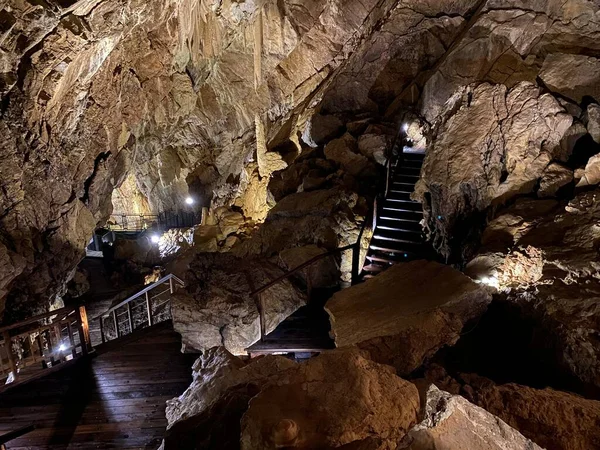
304 404
217 309
407 313
493 144
553 419
555 278
452 422
327 218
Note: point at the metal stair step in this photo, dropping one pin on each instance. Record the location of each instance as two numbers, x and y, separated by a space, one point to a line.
407 170
374 268
395 256
395 246
406 236
403 204
400 213
398 228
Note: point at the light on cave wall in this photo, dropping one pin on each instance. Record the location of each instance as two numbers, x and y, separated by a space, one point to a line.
405 127
490 281
155 238
189 201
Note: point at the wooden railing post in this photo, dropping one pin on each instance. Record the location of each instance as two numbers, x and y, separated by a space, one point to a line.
9 351
116 322
130 317
71 340
83 329
261 313
102 338
149 307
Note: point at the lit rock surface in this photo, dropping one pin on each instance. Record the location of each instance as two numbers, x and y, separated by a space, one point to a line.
407 313
563 297
553 419
451 422
493 144
329 410
274 401
554 177
218 309
573 76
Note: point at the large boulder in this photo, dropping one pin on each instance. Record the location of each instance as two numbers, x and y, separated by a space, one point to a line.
345 152
572 75
273 401
451 422
553 419
407 313
313 406
218 309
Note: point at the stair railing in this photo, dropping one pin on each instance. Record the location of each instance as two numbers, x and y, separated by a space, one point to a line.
149 306
30 347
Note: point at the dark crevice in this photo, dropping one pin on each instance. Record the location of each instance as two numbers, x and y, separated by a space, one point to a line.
88 182
509 344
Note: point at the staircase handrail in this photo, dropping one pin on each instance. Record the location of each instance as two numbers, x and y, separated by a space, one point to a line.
56 312
310 262
148 288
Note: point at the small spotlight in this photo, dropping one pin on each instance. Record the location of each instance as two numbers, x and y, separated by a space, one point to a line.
189 201
62 347
405 127
155 238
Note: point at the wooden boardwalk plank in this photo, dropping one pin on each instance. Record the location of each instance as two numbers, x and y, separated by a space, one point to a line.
115 400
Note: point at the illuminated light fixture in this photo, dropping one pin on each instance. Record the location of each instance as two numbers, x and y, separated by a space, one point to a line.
405 127
155 238
62 347
189 201
489 281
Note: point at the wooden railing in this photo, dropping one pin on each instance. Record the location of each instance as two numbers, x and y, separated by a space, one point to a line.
14 434
31 347
149 306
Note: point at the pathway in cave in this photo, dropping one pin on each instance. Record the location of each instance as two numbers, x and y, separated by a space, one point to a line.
115 399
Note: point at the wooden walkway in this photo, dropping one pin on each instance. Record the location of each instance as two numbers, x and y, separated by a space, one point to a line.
113 400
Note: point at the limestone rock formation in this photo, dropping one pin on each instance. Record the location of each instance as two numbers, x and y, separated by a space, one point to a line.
553 419
573 76
218 309
451 422
322 274
493 144
327 218
329 411
275 401
563 297
407 313
554 177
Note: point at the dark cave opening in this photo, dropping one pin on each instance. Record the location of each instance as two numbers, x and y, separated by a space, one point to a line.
509 346
584 149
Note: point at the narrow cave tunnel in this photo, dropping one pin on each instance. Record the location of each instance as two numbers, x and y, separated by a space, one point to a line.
322 224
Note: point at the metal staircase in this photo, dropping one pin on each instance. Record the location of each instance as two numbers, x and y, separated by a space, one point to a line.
397 235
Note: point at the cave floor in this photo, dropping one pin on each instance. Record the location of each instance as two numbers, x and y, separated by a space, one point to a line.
113 400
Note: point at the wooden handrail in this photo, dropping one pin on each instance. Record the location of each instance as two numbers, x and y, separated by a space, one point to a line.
56 312
164 279
300 267
4 438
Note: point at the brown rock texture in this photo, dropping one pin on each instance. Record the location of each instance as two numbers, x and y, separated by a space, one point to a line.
406 314
329 411
274 401
563 241
553 419
493 144
451 422
218 309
